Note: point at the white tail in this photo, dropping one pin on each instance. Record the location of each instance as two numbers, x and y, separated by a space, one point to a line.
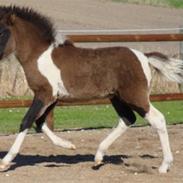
170 68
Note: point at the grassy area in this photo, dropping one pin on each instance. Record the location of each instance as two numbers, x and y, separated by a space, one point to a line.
169 3
87 116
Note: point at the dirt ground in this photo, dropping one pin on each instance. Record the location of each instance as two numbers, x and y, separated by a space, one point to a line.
134 157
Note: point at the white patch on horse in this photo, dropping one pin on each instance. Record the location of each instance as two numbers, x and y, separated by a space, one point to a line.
14 149
104 145
157 120
144 63
52 73
57 140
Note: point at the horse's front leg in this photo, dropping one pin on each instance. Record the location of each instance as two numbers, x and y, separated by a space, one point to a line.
49 120
34 111
42 123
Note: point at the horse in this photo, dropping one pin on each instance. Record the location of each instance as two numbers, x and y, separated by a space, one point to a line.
62 71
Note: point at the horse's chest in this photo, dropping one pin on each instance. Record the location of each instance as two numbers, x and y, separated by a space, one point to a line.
52 73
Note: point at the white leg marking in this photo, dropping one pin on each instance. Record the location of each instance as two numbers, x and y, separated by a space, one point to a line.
157 120
51 72
144 63
104 145
57 140
14 149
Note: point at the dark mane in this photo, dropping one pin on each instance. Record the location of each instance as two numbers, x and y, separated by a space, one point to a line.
28 14
67 42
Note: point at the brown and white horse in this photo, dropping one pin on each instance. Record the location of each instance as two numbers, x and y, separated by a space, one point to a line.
62 71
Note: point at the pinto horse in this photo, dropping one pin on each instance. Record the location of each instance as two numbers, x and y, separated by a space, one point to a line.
66 72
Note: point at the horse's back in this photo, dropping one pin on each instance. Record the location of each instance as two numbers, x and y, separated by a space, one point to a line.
100 72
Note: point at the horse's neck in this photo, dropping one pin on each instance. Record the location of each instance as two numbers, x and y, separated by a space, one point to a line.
29 43
30 52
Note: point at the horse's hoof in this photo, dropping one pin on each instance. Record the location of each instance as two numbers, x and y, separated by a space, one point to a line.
165 167
65 144
98 163
162 171
4 166
73 147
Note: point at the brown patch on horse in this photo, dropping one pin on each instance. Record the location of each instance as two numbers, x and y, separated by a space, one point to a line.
102 73
157 54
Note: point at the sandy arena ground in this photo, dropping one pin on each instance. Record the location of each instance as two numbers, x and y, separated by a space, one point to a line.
136 156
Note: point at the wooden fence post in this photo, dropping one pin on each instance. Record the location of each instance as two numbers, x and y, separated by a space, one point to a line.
181 57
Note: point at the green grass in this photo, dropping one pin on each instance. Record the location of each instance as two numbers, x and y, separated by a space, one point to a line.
169 3
176 3
87 116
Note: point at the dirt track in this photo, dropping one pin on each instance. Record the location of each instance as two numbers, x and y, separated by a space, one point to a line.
134 157
95 14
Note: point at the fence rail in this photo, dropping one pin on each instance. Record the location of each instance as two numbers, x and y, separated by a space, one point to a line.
26 103
126 38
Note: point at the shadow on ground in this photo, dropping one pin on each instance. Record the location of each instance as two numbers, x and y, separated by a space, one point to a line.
67 160
60 160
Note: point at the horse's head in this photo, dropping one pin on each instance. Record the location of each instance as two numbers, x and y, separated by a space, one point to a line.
22 28
7 40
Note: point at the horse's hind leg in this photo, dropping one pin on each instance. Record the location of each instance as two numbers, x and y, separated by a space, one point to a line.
157 120
104 145
127 118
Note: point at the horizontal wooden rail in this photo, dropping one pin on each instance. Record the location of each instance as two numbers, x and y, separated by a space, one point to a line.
126 38
26 103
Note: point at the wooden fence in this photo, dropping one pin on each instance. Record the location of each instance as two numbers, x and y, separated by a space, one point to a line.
106 38
126 38
16 103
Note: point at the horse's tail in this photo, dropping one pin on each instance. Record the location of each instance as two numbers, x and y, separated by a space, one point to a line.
171 68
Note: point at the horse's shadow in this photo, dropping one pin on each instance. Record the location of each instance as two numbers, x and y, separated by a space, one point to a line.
60 160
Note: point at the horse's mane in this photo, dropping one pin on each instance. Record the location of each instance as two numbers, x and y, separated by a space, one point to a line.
43 23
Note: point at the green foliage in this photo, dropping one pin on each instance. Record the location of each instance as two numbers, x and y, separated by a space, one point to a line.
176 3
101 116
170 3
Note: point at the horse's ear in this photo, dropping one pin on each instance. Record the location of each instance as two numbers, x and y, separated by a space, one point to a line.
11 19
8 18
